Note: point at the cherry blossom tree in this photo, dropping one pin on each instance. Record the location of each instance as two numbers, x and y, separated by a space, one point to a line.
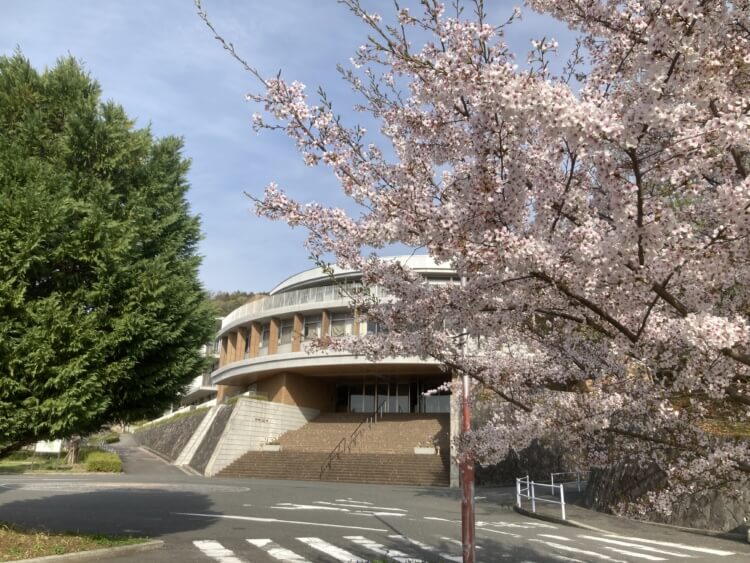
598 216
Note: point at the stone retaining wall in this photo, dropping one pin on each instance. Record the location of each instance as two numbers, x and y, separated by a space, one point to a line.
170 437
537 461
718 510
211 439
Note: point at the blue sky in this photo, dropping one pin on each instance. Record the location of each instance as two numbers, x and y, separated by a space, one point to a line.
160 62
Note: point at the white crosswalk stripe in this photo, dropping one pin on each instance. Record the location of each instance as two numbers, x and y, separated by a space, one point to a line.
564 547
636 555
429 548
380 549
277 552
329 549
641 547
680 546
217 552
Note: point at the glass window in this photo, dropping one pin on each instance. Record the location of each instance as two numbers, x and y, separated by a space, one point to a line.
341 324
368 399
374 327
402 401
246 351
312 327
285 331
265 334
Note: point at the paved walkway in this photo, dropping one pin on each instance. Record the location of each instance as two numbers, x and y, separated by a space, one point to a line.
137 461
601 522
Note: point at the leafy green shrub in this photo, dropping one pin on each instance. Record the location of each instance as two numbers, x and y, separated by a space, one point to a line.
111 438
19 455
103 462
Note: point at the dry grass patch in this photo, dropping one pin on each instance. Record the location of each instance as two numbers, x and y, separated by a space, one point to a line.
16 543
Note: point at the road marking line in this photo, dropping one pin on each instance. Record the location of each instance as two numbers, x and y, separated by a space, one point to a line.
331 550
554 537
564 547
368 505
540 525
563 558
382 550
636 555
350 500
441 519
641 547
277 552
503 525
290 506
366 513
457 542
215 550
276 520
426 547
511 534
677 545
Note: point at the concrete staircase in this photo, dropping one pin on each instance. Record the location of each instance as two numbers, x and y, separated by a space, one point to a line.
383 454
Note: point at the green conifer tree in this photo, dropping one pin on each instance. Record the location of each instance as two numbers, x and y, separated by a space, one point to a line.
101 311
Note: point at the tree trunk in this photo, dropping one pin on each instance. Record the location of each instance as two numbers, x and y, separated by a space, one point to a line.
73 450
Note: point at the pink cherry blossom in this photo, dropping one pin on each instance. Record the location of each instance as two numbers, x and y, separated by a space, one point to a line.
599 217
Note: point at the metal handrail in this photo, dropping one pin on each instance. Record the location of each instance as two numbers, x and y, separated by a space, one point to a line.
352 439
329 460
577 474
525 488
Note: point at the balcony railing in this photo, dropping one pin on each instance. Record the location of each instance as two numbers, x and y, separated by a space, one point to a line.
306 296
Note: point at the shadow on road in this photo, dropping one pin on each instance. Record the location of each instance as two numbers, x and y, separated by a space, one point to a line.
132 511
486 549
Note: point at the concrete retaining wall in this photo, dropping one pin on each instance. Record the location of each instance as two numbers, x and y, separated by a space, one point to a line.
537 461
170 437
252 423
205 450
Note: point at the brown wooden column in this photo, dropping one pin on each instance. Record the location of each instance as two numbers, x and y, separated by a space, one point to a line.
223 392
299 326
223 351
232 349
241 343
273 336
254 339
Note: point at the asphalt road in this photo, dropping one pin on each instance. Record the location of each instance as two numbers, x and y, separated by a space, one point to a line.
231 521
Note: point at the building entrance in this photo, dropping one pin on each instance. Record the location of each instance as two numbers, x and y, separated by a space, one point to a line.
407 397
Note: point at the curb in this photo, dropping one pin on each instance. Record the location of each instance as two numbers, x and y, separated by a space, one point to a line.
577 524
154 453
97 554
555 520
186 469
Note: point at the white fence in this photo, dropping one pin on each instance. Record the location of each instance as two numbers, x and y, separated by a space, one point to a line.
526 489
529 490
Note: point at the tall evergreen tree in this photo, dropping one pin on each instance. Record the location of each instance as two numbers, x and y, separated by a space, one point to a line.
101 310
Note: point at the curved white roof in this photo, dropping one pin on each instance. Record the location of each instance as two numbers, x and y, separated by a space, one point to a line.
418 262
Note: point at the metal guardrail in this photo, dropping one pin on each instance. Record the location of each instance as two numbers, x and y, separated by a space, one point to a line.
348 443
580 477
526 489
